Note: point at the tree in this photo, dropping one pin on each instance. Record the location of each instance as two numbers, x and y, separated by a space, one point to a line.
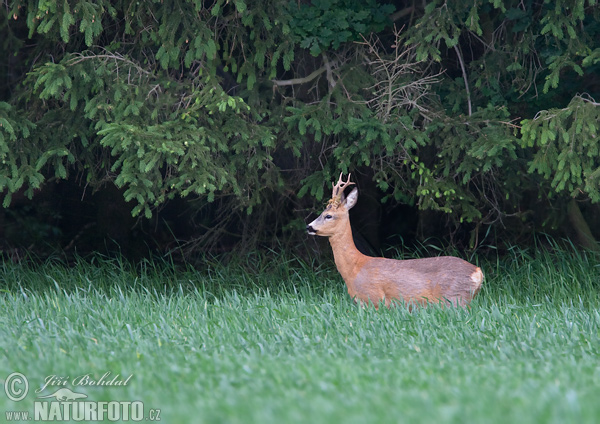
246 107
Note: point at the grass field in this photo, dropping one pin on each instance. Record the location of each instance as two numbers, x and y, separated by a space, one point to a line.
285 344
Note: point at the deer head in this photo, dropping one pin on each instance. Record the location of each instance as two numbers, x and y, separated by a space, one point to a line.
335 217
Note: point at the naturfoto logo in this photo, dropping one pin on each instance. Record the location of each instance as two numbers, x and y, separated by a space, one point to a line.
64 394
56 402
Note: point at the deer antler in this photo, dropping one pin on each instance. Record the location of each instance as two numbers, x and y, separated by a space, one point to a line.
338 190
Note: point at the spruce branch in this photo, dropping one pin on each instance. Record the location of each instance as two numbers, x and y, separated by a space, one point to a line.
77 58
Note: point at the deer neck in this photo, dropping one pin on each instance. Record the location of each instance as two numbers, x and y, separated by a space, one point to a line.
348 259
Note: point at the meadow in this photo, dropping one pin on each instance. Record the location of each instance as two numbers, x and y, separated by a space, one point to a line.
280 341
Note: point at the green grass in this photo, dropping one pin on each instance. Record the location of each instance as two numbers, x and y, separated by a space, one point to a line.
285 344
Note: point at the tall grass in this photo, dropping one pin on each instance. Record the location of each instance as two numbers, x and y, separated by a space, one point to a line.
284 343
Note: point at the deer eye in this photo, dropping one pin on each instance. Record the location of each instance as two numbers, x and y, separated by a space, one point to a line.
328 216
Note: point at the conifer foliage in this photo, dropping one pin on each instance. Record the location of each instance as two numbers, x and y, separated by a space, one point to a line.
250 105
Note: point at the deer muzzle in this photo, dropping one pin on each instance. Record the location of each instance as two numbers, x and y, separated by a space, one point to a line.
311 230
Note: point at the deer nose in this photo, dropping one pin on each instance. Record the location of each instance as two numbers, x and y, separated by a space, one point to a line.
311 230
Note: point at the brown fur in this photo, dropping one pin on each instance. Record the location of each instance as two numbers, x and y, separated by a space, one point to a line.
439 279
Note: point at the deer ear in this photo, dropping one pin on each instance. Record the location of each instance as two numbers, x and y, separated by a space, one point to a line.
351 199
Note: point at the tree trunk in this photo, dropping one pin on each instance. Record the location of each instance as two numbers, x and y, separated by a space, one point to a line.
582 230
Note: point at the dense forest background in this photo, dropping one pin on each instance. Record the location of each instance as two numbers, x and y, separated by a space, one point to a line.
217 126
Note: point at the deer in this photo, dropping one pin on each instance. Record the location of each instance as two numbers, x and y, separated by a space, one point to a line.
371 280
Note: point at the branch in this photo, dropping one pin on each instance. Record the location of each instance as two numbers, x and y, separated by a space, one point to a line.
329 72
584 97
464 73
80 57
295 81
402 13
401 81
588 99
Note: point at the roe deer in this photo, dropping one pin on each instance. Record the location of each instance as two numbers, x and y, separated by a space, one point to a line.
369 279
